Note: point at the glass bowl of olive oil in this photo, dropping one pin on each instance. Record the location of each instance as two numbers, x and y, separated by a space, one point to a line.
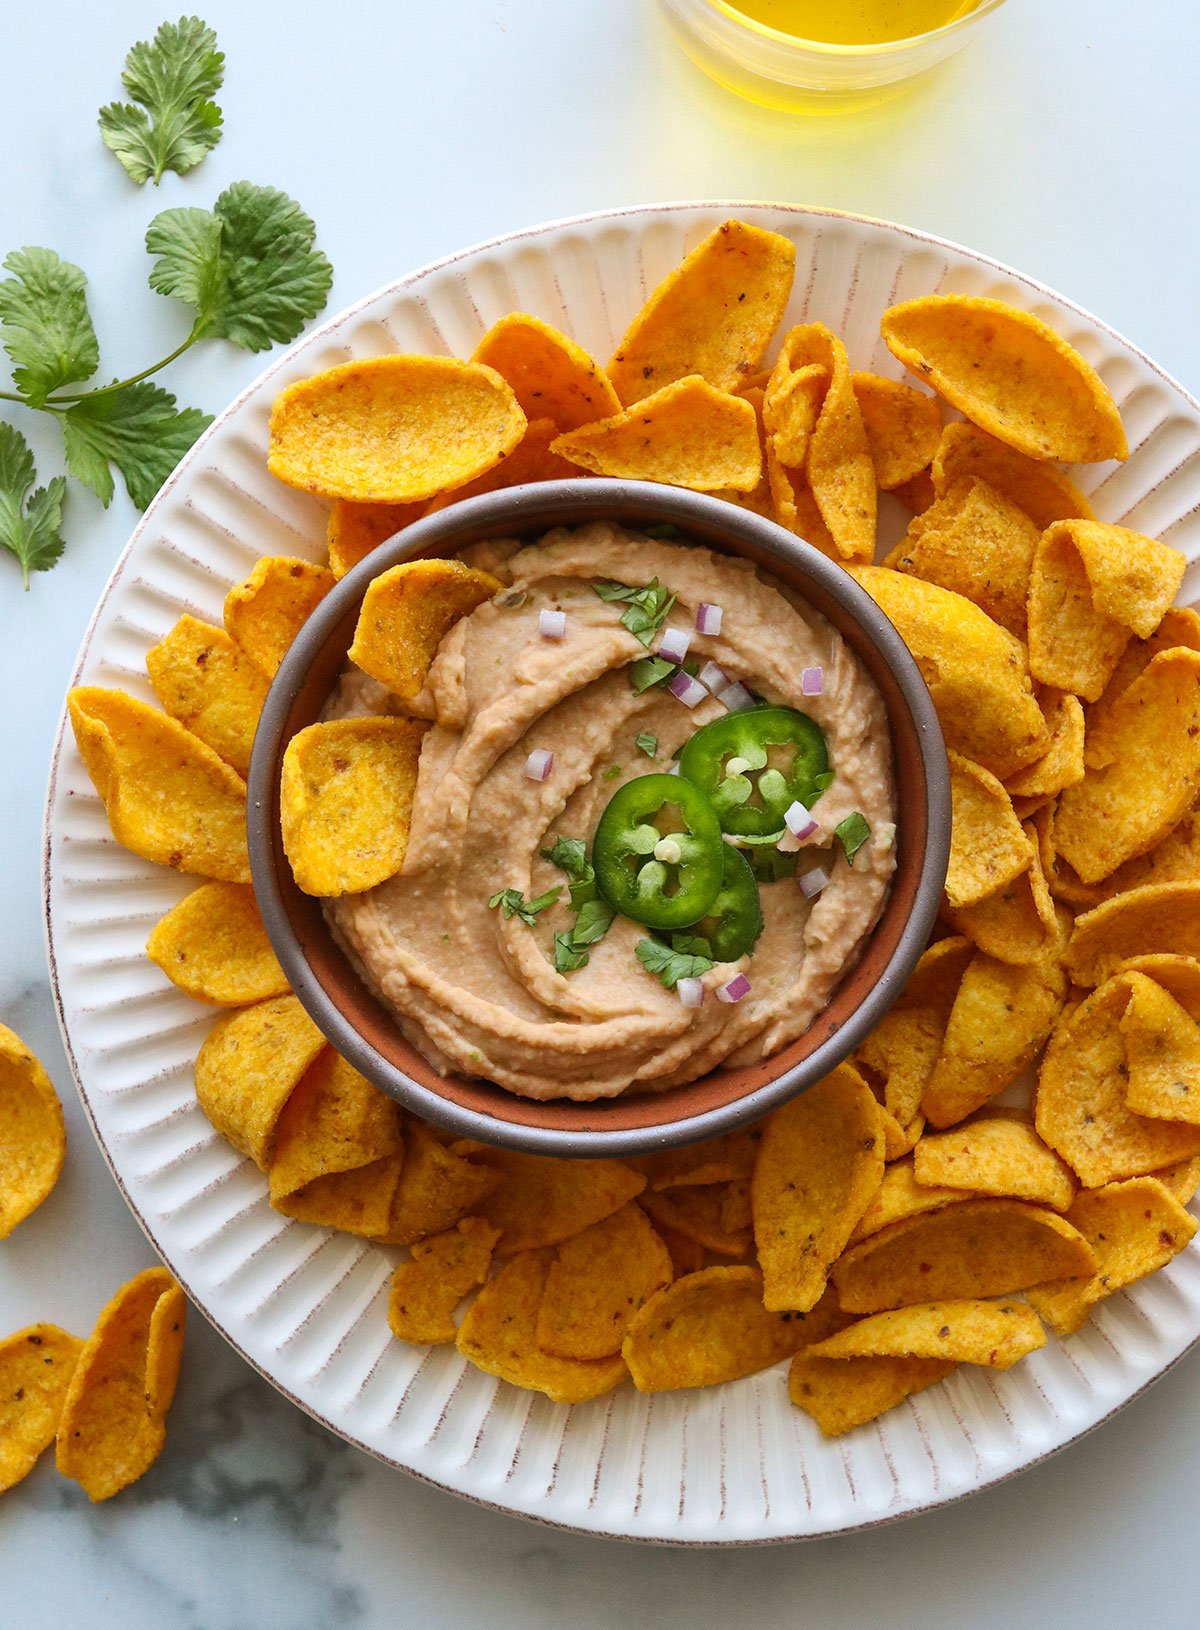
821 55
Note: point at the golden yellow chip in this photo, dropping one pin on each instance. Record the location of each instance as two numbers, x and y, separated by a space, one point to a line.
546 1200
1080 1108
1181 1179
978 1248
264 613
214 947
792 405
345 802
532 459
903 427
168 797
33 1136
1177 975
1162 1051
899 1139
759 499
976 671
249 1066
793 505
688 434
1125 809
36 1366
999 1153
392 430
1175 860
1009 373
964 1331
1002 1016
899 1056
355 530
1041 491
426 1291
842 1393
597 1282
551 376
988 847
724 1159
407 612
437 1188
900 1196
355 1202
707 1328
499 1335
1134 1228
687 1254
113 1422
714 315
334 1121
1061 765
1163 917
934 981
819 1165
917 494
1180 626
203 679
973 541
699 1213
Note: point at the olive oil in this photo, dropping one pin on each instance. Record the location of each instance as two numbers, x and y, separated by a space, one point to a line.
853 22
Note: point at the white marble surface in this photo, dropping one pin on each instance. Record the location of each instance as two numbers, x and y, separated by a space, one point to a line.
1064 142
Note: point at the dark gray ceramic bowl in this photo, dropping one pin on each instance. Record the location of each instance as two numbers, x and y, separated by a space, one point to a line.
360 1027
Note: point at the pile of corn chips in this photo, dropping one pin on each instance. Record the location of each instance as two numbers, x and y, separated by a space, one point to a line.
875 1230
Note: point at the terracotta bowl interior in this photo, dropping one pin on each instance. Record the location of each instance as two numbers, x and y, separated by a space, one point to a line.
362 1029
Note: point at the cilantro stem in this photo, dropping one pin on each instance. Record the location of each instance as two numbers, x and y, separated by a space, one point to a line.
53 402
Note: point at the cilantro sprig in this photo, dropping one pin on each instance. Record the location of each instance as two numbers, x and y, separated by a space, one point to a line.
28 524
570 856
172 121
671 965
570 947
512 903
646 608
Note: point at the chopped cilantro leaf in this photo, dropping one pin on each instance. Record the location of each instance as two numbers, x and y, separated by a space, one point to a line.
593 922
611 773
691 945
662 529
853 832
512 903
174 77
671 966
570 856
648 744
647 608
647 671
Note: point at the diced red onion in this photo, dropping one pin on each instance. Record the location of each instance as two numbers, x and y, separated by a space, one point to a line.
539 764
812 681
735 697
734 990
713 677
690 992
708 618
674 644
799 822
813 881
552 625
686 690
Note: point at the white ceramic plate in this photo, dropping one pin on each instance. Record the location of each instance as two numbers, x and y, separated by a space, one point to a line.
733 1464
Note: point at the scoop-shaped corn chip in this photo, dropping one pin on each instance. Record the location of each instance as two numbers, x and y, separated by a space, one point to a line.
1181 1179
1134 1228
965 1331
207 682
842 1393
36 1366
1044 494
168 797
688 435
1061 765
759 498
687 1255
934 981
707 1328
113 1423
355 1202
916 494
264 613
345 802
791 407
355 530
1002 1015
33 1136
724 1159
1009 373
900 1054
794 506
1018 924
426 1291
335 1121
532 459
437 1188
899 1139
214 947
597 1282
407 612
714 315
700 1213
903 427
499 1335
1179 976
973 541
1129 806
248 1068
819 1164
1180 626
900 1196
997 1154
988 847
392 430
1162 917
979 1248
547 1200
976 671
1080 1107
551 376
1162 1050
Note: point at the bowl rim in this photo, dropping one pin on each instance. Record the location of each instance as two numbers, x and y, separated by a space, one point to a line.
748 27
525 509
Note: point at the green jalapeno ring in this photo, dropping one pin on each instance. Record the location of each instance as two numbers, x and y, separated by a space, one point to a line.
739 743
656 878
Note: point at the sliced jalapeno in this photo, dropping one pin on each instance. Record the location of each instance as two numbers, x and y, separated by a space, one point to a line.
739 918
657 876
750 787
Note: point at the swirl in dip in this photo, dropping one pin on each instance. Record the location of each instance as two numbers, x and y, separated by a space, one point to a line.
476 990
